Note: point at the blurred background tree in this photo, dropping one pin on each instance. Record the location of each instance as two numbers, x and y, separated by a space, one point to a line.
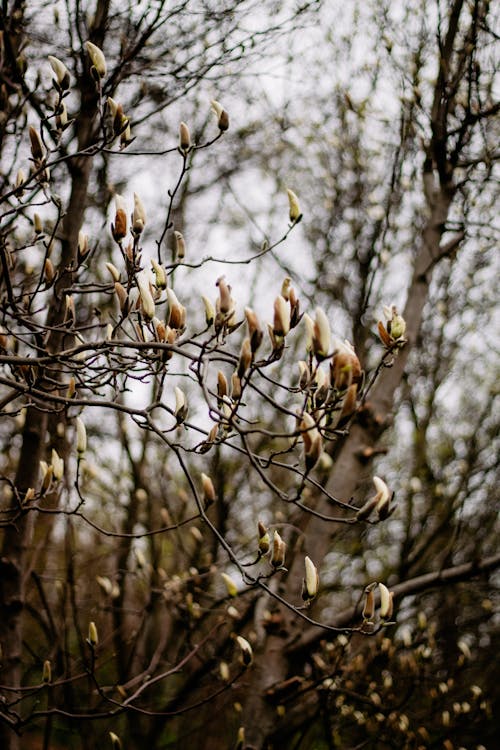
392 148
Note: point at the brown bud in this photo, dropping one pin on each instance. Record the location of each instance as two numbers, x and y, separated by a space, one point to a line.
369 605
37 147
235 387
225 301
222 387
254 329
384 336
245 358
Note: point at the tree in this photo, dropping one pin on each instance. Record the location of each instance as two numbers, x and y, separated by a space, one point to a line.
189 592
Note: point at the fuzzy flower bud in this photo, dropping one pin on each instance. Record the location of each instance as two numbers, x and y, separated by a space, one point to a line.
254 329
184 138
221 114
246 650
81 436
60 71
147 301
119 228
209 311
281 324
311 581
160 275
264 539
47 672
279 551
116 743
93 638
138 216
245 357
57 465
37 147
180 246
181 407
208 490
97 58
321 335
294 207
386 605
231 586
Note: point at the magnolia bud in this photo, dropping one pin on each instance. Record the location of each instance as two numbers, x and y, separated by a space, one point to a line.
37 147
208 490
254 329
119 228
122 297
92 636
386 606
245 357
221 114
246 650
184 138
61 72
294 206
115 741
231 587
147 301
47 672
224 671
345 366
20 180
115 273
235 386
37 224
281 317
225 300
57 465
81 436
382 498
180 246
209 311
264 540
279 551
313 442
139 216
181 408
311 581
176 311
321 335
83 244
97 58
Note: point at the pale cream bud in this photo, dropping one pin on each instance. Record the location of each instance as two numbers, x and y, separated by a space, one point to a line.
160 274
311 581
57 465
116 743
81 436
345 365
147 301
294 206
385 602
246 650
83 244
221 114
181 408
47 672
309 324
139 216
37 224
254 329
184 138
180 246
97 58
105 584
382 497
93 638
279 551
208 490
176 311
281 324
209 311
321 335
115 273
225 300
231 587
224 671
